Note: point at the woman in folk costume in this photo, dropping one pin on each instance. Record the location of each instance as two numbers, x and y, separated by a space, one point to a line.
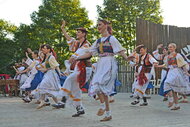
177 80
111 96
145 71
104 77
77 79
37 77
19 68
50 84
162 58
32 71
34 79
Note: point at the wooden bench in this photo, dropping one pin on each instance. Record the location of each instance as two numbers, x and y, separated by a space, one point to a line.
2 86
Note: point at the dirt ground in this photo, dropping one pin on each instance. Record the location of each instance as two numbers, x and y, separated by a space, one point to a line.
15 113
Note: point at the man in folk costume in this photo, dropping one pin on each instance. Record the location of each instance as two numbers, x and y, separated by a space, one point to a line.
145 71
77 79
133 59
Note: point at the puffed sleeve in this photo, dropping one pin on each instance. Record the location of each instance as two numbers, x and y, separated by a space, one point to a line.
72 44
157 55
152 59
82 50
29 61
94 48
32 64
180 61
52 62
116 45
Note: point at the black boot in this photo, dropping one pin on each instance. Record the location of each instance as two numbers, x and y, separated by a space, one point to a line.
47 103
26 100
136 101
80 111
145 102
165 99
58 105
46 100
64 99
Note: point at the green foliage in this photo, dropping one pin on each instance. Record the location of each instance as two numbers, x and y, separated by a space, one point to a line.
47 21
46 26
6 29
7 46
123 15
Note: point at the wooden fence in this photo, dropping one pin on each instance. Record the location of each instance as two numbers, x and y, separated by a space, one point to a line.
125 76
151 34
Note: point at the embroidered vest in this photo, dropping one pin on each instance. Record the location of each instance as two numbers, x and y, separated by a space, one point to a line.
77 45
146 64
172 60
105 46
47 62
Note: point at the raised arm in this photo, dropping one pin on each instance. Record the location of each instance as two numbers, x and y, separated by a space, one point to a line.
29 50
15 69
64 31
26 53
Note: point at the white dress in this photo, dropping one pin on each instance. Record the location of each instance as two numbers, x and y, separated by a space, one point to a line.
21 77
161 57
50 83
32 66
106 69
176 79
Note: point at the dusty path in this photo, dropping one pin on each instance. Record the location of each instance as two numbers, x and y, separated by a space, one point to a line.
15 113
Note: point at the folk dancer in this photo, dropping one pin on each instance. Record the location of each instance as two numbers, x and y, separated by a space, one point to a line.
103 80
77 79
50 84
177 80
145 71
32 72
161 54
